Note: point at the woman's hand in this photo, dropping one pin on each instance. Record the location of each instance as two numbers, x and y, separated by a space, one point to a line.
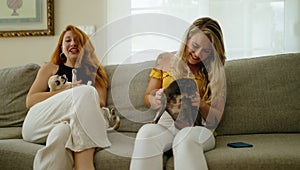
196 100
73 84
155 99
150 97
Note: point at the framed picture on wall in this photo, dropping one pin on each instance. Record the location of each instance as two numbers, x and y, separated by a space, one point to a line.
20 18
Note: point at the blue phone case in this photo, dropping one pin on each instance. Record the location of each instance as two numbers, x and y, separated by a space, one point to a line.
239 145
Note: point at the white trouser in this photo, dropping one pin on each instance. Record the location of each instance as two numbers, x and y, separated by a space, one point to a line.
68 121
188 146
55 155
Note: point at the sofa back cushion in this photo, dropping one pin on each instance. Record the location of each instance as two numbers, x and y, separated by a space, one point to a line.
127 85
14 85
262 95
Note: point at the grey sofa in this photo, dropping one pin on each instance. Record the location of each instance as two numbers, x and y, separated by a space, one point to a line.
262 108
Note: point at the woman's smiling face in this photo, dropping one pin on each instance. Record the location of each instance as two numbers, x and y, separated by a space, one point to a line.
199 48
71 46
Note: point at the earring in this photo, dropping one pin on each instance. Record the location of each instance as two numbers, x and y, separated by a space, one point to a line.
63 57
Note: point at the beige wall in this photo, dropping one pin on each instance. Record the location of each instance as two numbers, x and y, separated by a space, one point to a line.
22 50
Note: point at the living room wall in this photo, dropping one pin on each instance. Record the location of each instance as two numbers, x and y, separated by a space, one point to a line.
22 50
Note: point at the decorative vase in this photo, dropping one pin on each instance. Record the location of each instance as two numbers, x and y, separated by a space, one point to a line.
14 5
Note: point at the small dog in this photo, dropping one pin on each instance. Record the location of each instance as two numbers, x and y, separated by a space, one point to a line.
57 82
177 102
112 119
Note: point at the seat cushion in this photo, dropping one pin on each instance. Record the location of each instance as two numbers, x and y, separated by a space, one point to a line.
118 155
11 133
269 151
17 154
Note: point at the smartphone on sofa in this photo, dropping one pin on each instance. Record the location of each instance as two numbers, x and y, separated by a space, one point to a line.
239 145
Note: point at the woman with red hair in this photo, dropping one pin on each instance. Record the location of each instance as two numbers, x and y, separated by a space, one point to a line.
69 121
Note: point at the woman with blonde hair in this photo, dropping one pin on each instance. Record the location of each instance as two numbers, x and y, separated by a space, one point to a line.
201 57
69 121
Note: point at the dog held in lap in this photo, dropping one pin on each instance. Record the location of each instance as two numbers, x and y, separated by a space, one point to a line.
57 82
177 101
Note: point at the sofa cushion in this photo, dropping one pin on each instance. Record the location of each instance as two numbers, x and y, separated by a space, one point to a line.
15 83
127 85
11 133
17 154
262 95
118 154
269 151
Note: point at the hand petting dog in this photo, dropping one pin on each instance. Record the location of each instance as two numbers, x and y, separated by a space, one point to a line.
181 100
156 99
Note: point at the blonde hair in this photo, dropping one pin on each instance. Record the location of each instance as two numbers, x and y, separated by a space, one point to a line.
211 69
88 62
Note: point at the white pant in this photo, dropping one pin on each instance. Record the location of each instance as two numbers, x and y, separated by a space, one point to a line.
188 146
68 121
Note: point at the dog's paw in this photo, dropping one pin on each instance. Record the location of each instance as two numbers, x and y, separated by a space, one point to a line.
89 83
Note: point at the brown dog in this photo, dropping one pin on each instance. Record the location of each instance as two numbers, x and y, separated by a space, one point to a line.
177 101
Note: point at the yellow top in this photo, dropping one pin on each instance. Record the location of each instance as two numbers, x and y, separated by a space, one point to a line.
167 79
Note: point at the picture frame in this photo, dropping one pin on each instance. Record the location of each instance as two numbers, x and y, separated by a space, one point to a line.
19 18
